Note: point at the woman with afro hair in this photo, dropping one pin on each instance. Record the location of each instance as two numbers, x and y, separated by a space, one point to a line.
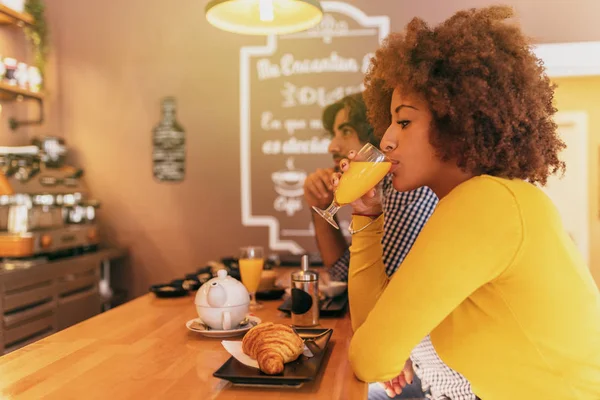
466 109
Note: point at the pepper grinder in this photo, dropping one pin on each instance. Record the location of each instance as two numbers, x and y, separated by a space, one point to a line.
305 296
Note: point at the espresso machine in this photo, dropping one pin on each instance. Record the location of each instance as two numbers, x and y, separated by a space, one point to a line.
45 209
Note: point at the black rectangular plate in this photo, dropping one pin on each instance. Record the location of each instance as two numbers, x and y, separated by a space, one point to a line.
332 308
294 374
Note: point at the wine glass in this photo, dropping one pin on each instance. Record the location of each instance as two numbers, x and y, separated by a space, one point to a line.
366 170
251 266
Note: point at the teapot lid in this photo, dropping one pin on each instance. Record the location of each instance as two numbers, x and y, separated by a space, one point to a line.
231 292
222 273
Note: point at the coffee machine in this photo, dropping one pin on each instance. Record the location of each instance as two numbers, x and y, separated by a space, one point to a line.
45 209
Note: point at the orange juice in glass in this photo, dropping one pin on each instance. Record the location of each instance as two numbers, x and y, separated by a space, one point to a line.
367 169
360 177
251 263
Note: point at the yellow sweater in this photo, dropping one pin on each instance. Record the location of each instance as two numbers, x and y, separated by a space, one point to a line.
497 281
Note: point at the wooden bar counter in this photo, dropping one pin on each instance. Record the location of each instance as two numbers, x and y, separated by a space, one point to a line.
142 350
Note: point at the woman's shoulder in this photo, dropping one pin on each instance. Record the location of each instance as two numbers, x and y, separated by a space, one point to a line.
490 194
487 185
485 193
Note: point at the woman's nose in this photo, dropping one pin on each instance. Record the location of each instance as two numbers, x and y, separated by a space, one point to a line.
388 141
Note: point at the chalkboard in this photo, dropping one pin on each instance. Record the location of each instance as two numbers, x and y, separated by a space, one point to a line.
284 86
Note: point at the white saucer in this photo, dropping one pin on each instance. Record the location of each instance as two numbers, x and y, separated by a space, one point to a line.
199 328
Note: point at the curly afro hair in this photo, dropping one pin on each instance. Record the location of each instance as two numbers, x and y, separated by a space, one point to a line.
491 101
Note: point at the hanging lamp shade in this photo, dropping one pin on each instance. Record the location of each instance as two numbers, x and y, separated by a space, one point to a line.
263 17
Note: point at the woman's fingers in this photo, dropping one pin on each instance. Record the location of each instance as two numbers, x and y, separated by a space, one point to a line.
409 373
335 179
389 390
344 164
399 382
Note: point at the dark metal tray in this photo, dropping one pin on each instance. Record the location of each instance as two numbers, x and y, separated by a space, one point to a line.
294 374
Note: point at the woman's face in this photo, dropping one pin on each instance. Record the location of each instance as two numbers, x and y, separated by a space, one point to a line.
406 143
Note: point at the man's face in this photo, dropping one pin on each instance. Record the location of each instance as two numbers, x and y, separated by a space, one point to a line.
344 139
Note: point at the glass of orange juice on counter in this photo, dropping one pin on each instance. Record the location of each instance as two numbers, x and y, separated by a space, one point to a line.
251 266
366 170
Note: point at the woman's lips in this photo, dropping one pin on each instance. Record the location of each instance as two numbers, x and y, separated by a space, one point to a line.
394 166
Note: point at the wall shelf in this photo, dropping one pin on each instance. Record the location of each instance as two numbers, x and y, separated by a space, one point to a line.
9 16
13 17
11 92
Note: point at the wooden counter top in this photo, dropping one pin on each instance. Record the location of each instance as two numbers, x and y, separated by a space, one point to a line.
142 350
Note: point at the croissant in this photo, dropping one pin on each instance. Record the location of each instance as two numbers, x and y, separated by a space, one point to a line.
272 345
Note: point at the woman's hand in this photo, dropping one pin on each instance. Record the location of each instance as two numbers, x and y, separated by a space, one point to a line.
394 387
370 203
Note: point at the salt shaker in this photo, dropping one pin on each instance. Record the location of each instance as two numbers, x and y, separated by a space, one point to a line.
305 296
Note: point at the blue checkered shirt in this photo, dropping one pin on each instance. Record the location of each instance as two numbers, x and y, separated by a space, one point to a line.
405 215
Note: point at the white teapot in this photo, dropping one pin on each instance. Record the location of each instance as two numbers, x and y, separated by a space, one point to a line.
222 302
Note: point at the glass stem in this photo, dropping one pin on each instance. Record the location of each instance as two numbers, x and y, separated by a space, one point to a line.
333 208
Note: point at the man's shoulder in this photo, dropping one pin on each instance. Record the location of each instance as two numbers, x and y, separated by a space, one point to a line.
419 195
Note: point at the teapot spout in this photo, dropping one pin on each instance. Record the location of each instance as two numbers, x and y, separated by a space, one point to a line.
216 296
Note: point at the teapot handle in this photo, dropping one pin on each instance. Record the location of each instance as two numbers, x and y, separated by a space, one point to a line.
226 320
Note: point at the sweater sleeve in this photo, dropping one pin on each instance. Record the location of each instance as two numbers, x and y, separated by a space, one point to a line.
471 238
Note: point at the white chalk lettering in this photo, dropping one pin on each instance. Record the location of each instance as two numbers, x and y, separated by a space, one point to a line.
271 147
315 145
267 70
292 125
289 66
316 124
267 122
288 204
308 96
366 62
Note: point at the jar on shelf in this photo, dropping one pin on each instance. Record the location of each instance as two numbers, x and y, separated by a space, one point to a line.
35 79
22 75
11 68
2 69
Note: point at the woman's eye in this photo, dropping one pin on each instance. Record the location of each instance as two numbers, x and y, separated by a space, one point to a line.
403 123
346 132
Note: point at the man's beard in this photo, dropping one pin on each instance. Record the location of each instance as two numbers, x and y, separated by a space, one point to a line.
337 157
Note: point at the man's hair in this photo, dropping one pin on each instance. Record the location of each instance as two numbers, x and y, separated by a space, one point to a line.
357 117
